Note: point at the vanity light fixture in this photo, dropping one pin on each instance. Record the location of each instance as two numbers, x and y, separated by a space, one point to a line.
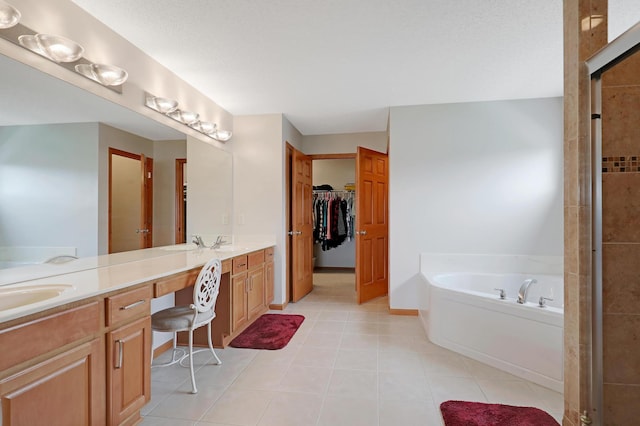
185 117
107 75
169 107
220 135
56 48
9 16
162 105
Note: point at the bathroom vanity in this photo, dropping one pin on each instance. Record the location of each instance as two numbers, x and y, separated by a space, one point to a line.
84 357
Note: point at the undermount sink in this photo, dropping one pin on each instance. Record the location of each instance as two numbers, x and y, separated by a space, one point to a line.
16 297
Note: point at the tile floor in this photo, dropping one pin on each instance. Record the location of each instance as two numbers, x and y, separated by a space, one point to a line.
347 365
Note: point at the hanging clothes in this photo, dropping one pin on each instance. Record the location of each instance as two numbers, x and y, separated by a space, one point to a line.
333 218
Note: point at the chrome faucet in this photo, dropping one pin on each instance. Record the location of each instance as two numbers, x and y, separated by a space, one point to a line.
524 289
197 240
218 243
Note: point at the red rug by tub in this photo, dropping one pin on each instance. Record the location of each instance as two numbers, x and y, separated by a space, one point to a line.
270 331
462 413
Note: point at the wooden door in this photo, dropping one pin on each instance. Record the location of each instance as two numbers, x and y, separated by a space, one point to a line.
181 201
301 232
130 201
372 224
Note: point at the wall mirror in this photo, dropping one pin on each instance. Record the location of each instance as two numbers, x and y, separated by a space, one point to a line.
54 172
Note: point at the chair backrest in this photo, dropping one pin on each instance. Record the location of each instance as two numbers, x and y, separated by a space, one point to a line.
207 286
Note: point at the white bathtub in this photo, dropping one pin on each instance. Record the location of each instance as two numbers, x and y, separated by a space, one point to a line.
465 314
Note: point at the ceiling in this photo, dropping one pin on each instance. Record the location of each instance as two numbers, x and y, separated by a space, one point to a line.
336 66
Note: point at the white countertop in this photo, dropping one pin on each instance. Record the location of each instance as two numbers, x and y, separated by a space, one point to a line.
102 274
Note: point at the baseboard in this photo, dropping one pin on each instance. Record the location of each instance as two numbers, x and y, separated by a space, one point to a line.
162 348
406 312
333 269
278 306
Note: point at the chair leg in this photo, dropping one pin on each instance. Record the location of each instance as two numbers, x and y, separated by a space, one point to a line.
218 362
193 377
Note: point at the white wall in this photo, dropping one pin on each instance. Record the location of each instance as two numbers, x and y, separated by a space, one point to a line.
258 186
49 187
165 154
481 177
344 143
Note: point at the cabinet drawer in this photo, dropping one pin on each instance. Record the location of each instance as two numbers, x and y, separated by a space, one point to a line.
128 305
37 337
175 283
239 264
268 254
255 258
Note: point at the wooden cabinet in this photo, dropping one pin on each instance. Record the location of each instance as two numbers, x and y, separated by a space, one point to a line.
248 289
52 369
129 371
67 389
128 355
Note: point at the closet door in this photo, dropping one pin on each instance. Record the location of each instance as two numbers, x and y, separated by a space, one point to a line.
372 224
302 226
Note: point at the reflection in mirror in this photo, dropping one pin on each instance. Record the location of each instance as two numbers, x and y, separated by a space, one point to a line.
54 168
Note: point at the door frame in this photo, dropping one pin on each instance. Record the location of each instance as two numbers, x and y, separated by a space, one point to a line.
180 236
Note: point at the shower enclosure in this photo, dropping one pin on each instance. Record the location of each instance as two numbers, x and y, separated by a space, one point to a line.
615 178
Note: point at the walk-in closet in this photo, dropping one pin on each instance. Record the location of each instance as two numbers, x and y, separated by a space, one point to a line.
334 210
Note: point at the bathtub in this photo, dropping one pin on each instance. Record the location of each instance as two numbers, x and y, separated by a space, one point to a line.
465 314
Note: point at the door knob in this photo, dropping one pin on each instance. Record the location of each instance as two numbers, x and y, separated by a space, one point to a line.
361 232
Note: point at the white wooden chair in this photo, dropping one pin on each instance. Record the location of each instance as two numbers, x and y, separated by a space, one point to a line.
187 318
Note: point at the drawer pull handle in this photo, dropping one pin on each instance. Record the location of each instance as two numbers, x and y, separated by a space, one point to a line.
133 305
241 264
120 353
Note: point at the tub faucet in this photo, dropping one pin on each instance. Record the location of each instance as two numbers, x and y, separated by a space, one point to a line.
524 289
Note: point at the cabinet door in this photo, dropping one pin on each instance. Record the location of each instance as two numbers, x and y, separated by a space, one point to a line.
268 282
239 286
67 389
129 367
255 297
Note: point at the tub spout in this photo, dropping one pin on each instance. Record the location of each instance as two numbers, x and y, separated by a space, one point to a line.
524 290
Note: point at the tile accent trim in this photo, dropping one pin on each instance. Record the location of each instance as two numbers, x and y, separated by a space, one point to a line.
630 163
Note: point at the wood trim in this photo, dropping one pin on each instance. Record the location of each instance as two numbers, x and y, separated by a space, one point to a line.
168 345
278 306
405 312
332 156
179 204
288 254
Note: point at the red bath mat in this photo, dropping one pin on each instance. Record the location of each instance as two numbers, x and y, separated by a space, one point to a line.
463 413
270 331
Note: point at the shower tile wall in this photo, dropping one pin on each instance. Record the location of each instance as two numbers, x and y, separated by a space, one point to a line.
580 42
621 241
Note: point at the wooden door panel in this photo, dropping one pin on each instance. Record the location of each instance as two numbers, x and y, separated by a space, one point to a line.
302 229
65 390
372 241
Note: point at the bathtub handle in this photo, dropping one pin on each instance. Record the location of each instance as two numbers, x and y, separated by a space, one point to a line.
542 300
503 293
